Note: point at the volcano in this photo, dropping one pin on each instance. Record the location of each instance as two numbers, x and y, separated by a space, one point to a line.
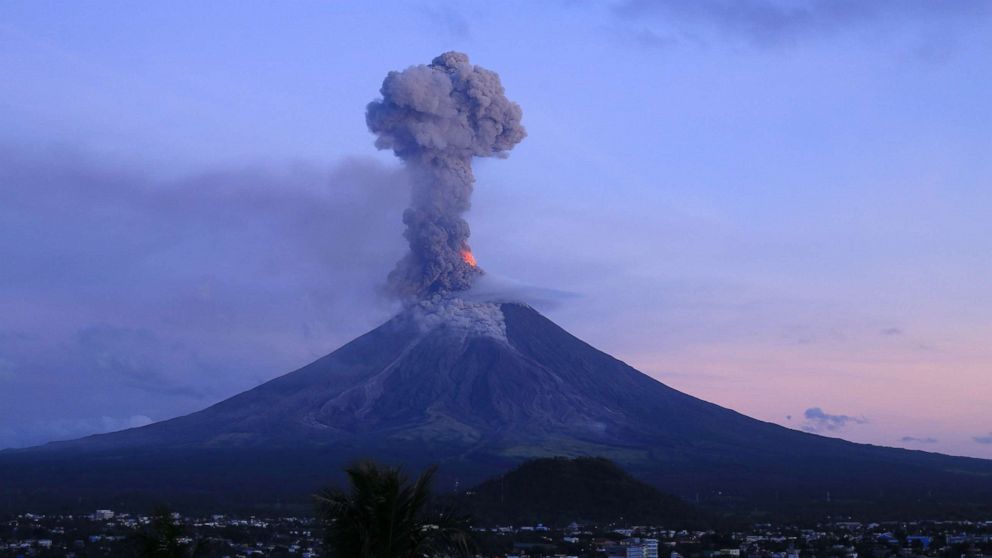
479 388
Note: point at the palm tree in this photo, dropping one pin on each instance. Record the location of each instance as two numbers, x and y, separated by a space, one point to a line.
165 538
384 515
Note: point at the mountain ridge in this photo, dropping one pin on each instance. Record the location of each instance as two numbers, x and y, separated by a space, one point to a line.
482 387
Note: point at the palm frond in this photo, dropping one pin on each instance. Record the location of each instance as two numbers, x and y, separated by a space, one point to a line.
385 515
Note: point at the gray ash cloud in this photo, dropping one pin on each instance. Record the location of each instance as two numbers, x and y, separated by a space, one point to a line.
436 118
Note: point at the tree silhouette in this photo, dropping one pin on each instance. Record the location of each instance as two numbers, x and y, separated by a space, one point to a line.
163 538
384 515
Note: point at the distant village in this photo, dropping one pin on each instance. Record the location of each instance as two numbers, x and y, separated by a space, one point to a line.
110 533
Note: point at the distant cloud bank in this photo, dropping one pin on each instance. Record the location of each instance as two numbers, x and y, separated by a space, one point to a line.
916 440
68 429
770 23
817 420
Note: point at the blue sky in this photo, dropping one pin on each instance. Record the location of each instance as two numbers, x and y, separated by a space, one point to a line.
778 206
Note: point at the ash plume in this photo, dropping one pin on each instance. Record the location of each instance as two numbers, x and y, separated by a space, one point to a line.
436 118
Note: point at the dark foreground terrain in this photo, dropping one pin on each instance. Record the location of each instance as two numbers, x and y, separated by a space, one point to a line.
93 535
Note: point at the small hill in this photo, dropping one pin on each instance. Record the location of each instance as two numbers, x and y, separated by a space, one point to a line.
558 491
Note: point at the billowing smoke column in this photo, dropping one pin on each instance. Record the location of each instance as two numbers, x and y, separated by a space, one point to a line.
436 118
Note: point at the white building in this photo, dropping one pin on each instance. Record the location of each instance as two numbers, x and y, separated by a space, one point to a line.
650 548
642 548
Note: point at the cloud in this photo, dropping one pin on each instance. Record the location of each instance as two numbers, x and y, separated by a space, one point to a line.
983 439
916 440
774 22
67 429
137 358
126 293
817 420
496 288
450 20
891 331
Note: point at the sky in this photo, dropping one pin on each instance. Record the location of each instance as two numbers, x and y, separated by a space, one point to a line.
780 207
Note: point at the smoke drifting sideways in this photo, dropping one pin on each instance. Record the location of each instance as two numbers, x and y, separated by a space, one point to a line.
436 118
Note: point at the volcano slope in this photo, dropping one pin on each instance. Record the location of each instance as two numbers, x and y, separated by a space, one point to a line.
480 388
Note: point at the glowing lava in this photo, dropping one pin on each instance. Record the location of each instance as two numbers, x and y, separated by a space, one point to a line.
468 258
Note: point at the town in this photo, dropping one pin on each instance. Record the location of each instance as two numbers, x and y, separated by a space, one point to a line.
110 533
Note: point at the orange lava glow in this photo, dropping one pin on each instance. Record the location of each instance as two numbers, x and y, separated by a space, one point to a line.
468 258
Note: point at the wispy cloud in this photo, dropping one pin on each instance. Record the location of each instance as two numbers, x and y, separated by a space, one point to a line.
983 439
917 440
818 420
772 23
67 429
450 19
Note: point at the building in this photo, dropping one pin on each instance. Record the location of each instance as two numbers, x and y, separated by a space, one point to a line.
642 548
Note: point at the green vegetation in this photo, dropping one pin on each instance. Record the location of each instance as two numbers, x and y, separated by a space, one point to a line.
385 515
